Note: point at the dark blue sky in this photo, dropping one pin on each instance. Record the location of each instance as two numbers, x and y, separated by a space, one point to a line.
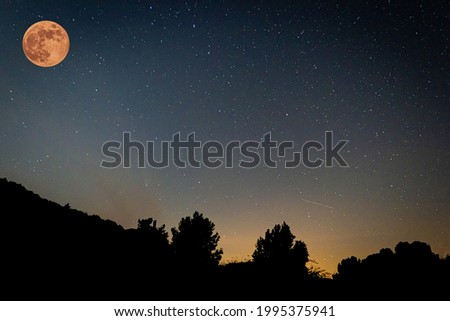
376 73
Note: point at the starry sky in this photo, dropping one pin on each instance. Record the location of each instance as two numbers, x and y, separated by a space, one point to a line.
376 73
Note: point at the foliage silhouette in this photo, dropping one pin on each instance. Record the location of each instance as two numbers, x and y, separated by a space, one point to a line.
413 271
278 250
150 247
53 252
154 236
349 269
195 243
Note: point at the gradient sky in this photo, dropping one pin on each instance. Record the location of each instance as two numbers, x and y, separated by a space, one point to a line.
374 72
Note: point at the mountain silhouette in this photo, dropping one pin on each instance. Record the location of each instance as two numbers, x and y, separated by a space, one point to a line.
54 252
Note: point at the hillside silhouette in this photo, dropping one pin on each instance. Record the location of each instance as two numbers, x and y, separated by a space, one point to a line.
54 252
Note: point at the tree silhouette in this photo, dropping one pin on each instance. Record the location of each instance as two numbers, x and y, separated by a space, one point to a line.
348 269
416 261
299 253
54 252
155 235
195 243
278 250
416 253
148 246
411 272
152 239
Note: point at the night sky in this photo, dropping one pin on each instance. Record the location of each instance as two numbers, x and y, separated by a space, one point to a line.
376 73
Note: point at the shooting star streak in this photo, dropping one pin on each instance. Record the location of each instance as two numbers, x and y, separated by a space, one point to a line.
318 204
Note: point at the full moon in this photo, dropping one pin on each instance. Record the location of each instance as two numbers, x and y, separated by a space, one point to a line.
46 43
